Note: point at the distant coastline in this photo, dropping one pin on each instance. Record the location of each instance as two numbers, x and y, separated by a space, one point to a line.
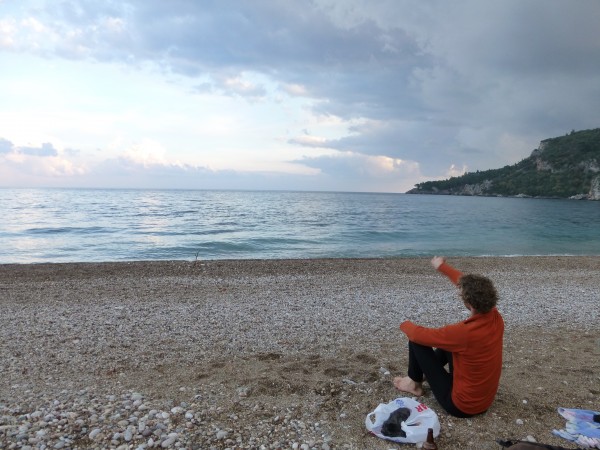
415 191
566 167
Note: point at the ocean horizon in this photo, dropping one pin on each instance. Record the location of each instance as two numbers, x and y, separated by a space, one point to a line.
108 225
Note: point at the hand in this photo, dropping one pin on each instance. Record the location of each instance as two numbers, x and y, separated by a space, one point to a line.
403 325
437 261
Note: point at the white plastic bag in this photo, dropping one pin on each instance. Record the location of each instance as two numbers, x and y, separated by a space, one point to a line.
421 418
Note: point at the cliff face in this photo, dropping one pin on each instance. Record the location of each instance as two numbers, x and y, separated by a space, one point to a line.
594 193
562 167
482 188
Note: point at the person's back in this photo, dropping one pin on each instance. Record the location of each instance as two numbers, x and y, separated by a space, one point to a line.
472 348
477 369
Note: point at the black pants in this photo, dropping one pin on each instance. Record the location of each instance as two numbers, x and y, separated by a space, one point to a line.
423 360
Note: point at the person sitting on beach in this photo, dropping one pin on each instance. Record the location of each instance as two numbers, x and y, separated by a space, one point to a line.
472 349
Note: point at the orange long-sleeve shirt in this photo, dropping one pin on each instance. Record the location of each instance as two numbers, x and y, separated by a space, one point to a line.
476 346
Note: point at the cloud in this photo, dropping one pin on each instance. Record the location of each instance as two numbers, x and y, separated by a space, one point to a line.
20 167
285 40
462 84
408 141
127 173
45 149
295 89
357 171
147 164
5 146
310 141
242 87
356 164
145 154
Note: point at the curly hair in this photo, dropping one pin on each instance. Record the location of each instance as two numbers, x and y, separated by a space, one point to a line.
478 291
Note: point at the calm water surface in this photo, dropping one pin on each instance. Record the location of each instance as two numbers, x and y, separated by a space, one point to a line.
69 225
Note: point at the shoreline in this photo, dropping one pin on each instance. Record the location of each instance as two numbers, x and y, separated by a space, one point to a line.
260 352
332 258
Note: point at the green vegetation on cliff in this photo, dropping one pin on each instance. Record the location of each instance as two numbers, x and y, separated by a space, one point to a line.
561 167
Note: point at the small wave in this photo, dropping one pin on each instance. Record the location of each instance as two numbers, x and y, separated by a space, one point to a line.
177 232
68 230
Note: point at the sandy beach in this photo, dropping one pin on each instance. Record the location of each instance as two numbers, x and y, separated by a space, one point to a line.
275 353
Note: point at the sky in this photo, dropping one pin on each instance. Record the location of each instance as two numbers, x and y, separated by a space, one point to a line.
315 95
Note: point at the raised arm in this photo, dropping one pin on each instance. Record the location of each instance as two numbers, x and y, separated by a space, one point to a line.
439 263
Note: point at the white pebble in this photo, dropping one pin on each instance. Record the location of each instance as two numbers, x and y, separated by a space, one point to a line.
519 422
221 434
177 410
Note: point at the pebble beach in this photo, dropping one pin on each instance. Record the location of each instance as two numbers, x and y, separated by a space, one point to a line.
275 354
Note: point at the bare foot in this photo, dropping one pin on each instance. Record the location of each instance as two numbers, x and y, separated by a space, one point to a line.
405 384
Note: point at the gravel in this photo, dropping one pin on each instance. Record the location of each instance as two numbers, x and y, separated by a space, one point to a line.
260 354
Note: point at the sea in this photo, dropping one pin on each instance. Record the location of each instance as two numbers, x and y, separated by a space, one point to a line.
94 225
